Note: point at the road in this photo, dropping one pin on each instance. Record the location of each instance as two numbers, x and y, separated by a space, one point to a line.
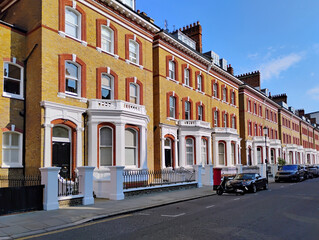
285 211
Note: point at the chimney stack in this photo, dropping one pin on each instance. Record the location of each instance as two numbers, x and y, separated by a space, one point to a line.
281 98
252 79
194 31
230 69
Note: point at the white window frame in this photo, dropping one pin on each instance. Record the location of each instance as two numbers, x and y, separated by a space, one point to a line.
106 146
186 77
200 111
204 151
12 95
108 88
233 98
216 119
137 93
221 155
78 94
225 120
189 153
135 59
171 69
233 121
172 109
187 103
215 90
133 147
78 26
110 41
9 164
224 94
199 83
233 153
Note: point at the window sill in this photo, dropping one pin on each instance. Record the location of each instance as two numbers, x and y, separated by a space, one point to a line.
171 119
64 95
173 80
135 64
63 34
216 98
100 50
184 85
199 91
17 165
10 95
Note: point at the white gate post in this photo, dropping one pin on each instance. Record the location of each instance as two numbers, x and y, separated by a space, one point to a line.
86 184
198 175
49 178
117 179
239 168
208 176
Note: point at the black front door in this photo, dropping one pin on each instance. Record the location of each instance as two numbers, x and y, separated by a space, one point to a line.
168 158
61 158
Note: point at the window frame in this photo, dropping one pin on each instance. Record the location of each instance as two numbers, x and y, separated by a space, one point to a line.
199 80
172 107
137 93
112 85
187 83
112 33
221 163
172 69
21 81
192 145
188 112
112 146
215 90
7 164
204 150
200 113
79 80
136 157
79 24
137 52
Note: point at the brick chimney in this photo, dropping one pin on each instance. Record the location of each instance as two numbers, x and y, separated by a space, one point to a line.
300 112
230 69
194 31
252 79
281 98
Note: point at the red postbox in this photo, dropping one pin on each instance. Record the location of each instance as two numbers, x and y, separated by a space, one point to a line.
217 173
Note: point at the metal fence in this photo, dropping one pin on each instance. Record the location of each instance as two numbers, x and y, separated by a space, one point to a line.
68 187
19 181
151 178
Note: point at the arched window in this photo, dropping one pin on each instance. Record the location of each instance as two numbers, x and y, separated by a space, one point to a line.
131 147
106 146
72 78
107 86
204 151
134 93
107 39
189 151
221 153
72 23
12 149
134 51
187 110
171 69
186 77
12 80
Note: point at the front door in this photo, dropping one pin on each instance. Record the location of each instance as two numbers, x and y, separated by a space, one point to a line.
61 158
168 152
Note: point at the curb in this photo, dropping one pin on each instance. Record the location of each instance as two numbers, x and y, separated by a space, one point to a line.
100 217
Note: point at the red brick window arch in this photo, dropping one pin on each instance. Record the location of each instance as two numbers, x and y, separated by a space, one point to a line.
187 105
171 68
106 36
134 90
200 111
133 49
172 105
72 75
106 84
72 19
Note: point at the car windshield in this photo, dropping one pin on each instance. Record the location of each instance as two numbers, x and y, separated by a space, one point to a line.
245 176
289 167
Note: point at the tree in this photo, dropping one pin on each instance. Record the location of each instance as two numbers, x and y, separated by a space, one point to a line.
281 161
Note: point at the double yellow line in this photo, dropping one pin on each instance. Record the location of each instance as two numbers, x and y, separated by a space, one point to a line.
76 227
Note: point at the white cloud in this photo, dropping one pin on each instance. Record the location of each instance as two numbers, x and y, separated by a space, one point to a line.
274 67
253 55
314 93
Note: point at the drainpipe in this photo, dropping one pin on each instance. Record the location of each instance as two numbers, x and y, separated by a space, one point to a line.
25 104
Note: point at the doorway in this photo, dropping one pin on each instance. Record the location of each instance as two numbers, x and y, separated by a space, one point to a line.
168 152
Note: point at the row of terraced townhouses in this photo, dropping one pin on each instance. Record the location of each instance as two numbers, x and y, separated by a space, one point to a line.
97 83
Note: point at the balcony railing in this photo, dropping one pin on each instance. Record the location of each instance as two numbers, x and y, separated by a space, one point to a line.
225 130
193 123
117 105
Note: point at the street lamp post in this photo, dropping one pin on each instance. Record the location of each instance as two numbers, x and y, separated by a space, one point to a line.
265 130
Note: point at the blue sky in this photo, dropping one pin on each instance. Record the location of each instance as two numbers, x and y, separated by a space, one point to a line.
278 37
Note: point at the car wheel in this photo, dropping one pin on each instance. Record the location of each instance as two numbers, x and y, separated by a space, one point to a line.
266 186
254 188
220 191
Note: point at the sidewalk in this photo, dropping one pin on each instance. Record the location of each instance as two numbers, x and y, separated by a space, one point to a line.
26 224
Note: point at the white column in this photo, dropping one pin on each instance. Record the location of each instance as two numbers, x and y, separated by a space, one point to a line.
215 152
198 144
228 152
79 147
209 150
163 152
236 154
49 178
47 145
92 144
182 151
176 153
120 144
86 184
143 148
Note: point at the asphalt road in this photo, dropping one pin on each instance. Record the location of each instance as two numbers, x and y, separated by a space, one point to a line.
285 211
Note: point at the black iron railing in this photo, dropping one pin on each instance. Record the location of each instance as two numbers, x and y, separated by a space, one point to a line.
151 178
68 186
19 181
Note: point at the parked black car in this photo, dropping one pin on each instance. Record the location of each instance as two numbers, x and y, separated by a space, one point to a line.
313 171
248 181
290 173
306 171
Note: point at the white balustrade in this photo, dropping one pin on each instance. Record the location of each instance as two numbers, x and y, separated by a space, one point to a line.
118 105
194 123
224 130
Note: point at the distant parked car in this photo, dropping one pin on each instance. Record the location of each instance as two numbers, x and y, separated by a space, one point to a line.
249 181
307 173
290 173
313 170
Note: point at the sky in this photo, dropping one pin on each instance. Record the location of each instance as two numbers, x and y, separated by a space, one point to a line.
280 38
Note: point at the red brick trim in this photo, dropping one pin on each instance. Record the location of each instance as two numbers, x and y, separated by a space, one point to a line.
203 106
137 129
172 138
10 60
194 146
68 57
185 99
129 37
168 95
112 126
139 83
184 66
170 58
99 72
99 23
198 73
74 146
9 129
69 3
